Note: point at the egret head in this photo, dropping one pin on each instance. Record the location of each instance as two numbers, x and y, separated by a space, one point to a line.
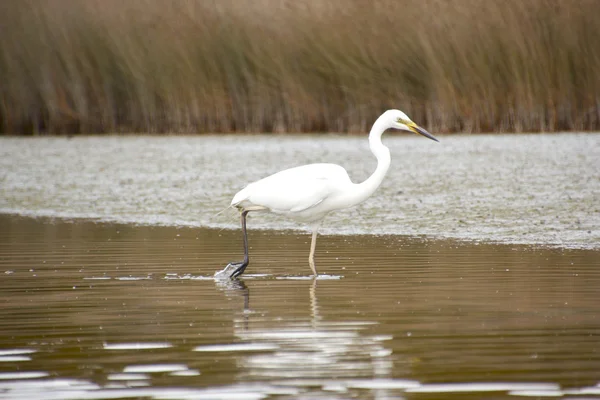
399 120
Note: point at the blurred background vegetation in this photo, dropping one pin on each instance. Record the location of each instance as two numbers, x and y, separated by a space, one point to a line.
89 66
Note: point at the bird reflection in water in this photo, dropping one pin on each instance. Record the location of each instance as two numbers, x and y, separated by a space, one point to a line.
315 351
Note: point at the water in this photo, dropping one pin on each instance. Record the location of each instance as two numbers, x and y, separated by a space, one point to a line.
472 272
528 189
103 311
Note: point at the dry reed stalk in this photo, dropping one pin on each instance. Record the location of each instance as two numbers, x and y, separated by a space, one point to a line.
282 66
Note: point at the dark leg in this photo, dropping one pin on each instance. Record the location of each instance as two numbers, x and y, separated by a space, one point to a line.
241 266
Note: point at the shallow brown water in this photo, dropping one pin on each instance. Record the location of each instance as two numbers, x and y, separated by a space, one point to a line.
96 311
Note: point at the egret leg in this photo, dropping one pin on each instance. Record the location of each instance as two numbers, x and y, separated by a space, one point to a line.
241 266
311 256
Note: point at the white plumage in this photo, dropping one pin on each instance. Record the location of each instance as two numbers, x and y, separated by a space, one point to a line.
303 193
309 192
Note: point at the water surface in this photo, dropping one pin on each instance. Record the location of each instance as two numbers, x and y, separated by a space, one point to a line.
103 311
530 189
471 273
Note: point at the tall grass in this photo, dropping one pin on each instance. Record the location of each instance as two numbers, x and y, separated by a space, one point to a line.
291 66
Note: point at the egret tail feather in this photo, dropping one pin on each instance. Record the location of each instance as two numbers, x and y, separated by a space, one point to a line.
223 210
233 217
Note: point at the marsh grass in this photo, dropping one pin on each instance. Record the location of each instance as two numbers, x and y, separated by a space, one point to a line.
292 66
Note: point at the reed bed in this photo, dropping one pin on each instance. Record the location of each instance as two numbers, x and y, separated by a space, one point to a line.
72 66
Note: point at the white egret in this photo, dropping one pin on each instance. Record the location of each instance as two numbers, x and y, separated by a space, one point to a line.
309 192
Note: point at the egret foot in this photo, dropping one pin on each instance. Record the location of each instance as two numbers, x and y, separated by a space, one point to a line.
240 267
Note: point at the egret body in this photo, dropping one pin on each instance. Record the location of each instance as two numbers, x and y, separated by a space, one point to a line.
309 192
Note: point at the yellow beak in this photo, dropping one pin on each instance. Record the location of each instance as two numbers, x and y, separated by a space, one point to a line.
417 129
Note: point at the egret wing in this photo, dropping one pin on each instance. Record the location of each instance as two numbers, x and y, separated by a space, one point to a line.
290 196
295 189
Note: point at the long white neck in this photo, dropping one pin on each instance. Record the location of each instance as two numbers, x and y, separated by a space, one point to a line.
362 191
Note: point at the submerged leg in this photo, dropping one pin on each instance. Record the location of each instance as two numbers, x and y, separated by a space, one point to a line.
313 245
240 267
